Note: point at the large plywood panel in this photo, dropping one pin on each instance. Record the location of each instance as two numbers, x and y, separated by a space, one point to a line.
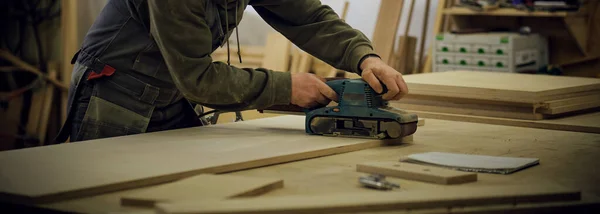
97 166
497 86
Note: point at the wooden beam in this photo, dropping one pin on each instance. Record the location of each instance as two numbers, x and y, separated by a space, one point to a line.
386 28
417 172
70 45
419 65
53 69
437 28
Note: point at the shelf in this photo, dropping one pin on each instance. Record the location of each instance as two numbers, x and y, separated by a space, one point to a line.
509 12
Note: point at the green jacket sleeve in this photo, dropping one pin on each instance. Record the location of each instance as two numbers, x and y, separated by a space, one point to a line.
318 30
184 39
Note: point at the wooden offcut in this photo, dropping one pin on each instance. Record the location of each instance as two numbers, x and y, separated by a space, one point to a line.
386 28
417 172
202 187
379 201
120 163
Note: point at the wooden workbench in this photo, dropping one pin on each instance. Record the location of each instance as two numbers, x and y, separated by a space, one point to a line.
566 158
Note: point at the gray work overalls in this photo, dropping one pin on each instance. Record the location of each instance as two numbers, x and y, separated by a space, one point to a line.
120 83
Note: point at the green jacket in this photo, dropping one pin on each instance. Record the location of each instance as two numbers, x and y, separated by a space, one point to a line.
188 31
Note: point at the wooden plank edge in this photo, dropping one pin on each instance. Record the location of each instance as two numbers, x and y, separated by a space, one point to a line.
377 201
508 122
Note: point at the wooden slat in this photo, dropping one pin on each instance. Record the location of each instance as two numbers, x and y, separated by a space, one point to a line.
571 108
379 201
386 28
579 123
277 53
572 101
47 105
438 26
139 160
70 45
202 187
305 63
417 172
423 37
497 86
296 57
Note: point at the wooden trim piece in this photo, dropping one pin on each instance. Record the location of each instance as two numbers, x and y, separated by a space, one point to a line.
587 123
380 201
418 172
386 28
47 106
277 53
29 68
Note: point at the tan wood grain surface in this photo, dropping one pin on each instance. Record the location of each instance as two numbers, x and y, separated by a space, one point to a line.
112 164
201 187
566 158
378 201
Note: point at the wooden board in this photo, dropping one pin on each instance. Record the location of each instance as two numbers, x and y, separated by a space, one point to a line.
277 53
305 63
378 201
499 108
70 45
417 172
509 87
125 162
474 109
386 28
202 187
579 123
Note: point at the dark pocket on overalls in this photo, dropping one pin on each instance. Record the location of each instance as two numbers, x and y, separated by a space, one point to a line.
113 111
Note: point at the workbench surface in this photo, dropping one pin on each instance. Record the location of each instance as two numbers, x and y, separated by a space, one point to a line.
566 158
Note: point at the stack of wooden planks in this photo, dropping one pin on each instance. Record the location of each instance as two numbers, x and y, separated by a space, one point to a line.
500 95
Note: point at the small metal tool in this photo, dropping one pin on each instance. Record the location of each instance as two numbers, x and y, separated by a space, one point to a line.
377 181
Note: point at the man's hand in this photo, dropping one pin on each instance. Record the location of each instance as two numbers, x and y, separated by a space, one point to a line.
308 91
375 70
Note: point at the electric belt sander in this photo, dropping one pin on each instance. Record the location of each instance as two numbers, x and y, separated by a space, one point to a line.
361 112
